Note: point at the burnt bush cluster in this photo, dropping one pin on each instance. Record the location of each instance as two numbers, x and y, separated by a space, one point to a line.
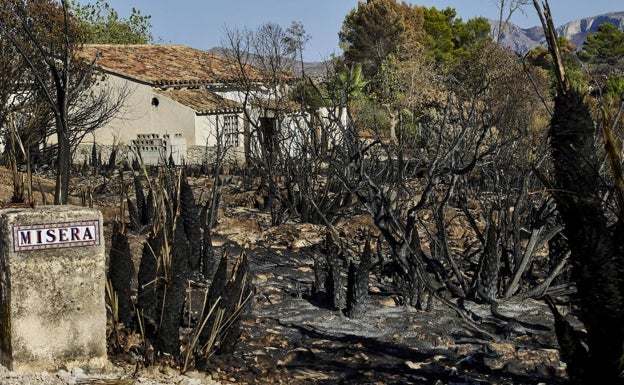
187 301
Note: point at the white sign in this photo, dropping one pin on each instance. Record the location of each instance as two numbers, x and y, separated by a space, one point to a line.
56 235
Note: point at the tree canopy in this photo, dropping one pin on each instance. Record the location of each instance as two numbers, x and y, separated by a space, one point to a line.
604 54
606 46
376 29
103 25
448 37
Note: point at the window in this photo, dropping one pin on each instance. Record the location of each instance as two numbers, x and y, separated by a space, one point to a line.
230 130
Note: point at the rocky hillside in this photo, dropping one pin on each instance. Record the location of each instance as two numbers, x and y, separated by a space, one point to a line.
523 39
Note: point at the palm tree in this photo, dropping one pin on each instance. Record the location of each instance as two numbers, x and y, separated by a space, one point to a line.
596 241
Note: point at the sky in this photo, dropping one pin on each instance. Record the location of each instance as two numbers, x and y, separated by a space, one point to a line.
202 23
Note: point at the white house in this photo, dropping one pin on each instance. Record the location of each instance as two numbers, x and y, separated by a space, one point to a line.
174 93
183 103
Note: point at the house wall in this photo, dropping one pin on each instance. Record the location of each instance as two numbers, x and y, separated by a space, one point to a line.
131 119
141 116
207 127
145 112
148 113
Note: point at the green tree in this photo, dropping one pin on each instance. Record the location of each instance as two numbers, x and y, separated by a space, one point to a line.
604 54
103 25
448 37
376 29
439 39
606 46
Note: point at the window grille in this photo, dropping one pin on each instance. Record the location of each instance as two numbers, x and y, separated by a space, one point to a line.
230 130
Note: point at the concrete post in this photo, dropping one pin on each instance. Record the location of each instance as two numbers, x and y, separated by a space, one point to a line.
52 287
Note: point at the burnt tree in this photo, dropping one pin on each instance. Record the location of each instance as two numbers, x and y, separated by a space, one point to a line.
595 237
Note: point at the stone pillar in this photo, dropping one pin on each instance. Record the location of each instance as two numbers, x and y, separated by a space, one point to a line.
52 287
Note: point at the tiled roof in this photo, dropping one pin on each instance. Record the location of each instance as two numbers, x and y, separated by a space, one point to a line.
201 100
165 65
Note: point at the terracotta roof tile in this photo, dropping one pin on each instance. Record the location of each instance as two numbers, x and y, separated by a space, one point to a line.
201 100
164 65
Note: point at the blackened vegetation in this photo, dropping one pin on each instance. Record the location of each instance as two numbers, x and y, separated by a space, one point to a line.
177 267
336 262
173 292
596 247
142 210
594 235
191 222
120 272
148 284
208 256
357 283
330 265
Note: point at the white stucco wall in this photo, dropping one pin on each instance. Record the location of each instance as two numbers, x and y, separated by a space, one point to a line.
140 116
207 127
171 117
148 112
132 117
204 125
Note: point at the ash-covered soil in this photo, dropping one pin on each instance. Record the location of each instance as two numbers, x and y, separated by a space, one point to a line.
292 336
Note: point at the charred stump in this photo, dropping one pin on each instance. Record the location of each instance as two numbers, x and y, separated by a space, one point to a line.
357 283
334 285
320 276
489 268
234 303
135 218
209 260
208 256
148 212
141 204
215 294
596 247
112 159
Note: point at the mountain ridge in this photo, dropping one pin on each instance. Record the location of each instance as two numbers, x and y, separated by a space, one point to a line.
522 40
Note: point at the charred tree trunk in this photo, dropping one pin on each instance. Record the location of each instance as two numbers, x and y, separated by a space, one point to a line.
596 251
334 282
215 293
491 261
209 261
596 247
140 200
134 216
320 277
234 302
112 159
